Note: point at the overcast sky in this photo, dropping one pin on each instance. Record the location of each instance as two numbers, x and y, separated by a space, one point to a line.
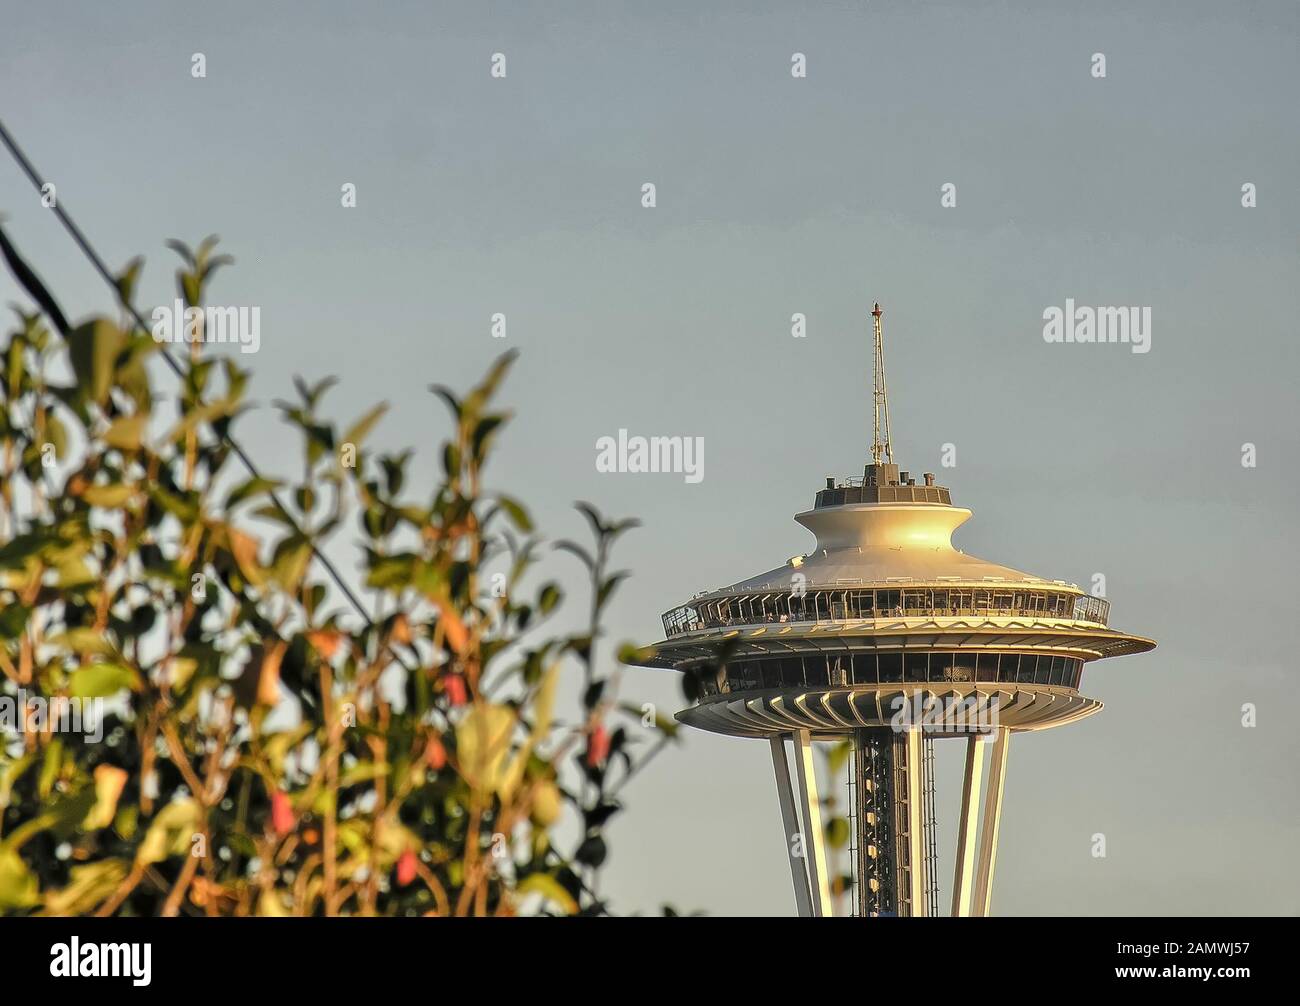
779 195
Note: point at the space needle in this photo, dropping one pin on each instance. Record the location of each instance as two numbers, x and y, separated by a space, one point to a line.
887 635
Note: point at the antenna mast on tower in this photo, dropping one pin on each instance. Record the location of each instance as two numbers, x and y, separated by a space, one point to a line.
882 452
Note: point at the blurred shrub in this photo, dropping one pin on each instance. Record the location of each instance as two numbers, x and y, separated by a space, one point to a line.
426 770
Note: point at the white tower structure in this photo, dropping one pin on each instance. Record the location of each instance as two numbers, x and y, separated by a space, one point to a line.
888 635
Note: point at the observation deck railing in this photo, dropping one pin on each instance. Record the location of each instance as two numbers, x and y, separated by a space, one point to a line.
837 607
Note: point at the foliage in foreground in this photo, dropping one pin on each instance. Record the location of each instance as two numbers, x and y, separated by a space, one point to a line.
427 769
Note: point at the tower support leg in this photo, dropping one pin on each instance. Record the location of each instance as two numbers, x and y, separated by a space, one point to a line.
790 824
814 843
915 825
992 822
963 883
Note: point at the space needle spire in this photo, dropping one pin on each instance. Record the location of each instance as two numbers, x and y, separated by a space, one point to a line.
882 452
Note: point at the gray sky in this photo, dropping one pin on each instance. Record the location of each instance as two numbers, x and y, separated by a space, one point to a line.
775 196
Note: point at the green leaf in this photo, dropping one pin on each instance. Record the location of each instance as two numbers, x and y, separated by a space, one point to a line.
451 459
550 889
482 742
56 433
126 432
88 886
837 832
191 287
183 508
73 572
391 572
289 562
109 497
448 396
357 431
197 417
16 367
13 620
253 487
608 587
10 772
481 395
484 430
126 280
571 546
837 757
82 640
312 396
201 254
548 598
93 350
181 249
170 832
63 817
99 681
51 766
517 512
14 554
630 653
18 887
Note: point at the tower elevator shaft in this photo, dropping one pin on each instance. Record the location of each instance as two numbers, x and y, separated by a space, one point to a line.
893 786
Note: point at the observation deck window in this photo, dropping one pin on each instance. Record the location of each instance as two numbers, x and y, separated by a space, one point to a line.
842 670
815 671
864 668
962 667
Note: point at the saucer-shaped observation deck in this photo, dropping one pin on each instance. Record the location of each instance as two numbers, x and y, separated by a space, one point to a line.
883 615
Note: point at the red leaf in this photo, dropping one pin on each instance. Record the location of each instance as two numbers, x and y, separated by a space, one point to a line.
282 816
597 745
406 868
435 755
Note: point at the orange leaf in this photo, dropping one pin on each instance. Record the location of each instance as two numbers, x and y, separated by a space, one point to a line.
402 629
454 631
326 642
268 679
244 548
435 755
